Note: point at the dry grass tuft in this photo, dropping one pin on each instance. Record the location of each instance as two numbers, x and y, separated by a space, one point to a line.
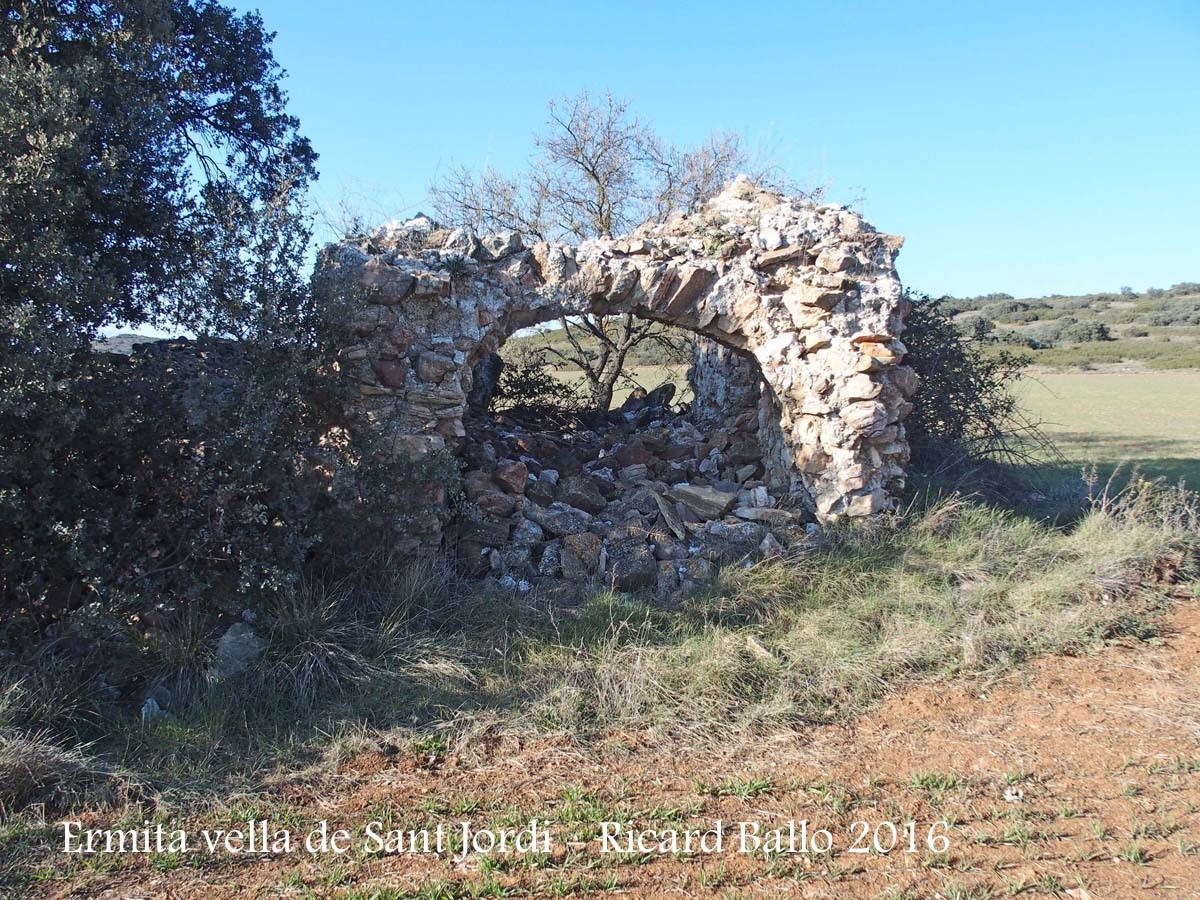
37 768
313 645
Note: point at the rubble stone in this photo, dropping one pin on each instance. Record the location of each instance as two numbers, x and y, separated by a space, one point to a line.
581 555
706 502
632 566
559 519
582 493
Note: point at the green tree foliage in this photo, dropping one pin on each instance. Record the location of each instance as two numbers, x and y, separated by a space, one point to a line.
143 145
149 173
210 474
964 411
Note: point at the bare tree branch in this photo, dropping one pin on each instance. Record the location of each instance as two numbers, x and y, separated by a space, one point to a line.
598 170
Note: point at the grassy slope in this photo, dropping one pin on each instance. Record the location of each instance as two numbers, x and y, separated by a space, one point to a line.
1155 330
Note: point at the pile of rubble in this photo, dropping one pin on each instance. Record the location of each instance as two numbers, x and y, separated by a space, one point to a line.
640 499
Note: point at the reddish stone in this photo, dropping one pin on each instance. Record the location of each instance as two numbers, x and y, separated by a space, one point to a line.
632 455
476 483
512 475
496 504
433 367
782 255
401 338
390 373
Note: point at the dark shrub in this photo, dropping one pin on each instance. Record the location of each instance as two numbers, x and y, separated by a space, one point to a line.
213 473
526 386
1018 339
964 411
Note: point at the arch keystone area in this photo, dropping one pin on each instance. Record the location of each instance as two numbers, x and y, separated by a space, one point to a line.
810 292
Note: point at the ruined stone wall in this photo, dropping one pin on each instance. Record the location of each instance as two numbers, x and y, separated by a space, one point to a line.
727 383
723 380
809 291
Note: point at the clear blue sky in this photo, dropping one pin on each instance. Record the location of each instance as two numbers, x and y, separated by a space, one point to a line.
1022 147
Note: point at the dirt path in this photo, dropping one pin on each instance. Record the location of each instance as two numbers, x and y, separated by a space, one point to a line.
1073 777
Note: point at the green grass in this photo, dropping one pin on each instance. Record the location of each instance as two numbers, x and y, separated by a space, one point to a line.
647 376
1151 353
1148 419
936 782
1155 330
742 788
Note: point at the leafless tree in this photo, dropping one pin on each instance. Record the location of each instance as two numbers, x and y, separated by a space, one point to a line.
489 201
599 170
687 178
600 347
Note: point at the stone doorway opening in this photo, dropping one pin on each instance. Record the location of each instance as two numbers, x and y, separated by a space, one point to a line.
651 496
805 297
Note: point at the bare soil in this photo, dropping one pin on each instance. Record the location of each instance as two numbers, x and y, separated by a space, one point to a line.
1071 777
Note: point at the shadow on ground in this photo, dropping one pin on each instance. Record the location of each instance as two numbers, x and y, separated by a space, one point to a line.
1153 457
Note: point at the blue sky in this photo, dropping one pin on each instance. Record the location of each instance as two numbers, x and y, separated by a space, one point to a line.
1030 148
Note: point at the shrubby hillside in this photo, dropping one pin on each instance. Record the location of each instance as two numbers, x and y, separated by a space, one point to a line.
1156 329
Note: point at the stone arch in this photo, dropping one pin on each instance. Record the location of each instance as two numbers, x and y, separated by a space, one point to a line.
810 292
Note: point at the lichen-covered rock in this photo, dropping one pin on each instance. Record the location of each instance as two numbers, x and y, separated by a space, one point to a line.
238 648
581 555
632 565
528 533
559 519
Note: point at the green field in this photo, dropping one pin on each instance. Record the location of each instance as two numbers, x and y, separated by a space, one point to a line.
1149 418
648 377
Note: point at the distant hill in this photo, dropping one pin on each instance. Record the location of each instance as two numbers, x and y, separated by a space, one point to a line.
1155 329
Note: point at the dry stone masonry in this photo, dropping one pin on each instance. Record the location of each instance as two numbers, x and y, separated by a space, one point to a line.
800 312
